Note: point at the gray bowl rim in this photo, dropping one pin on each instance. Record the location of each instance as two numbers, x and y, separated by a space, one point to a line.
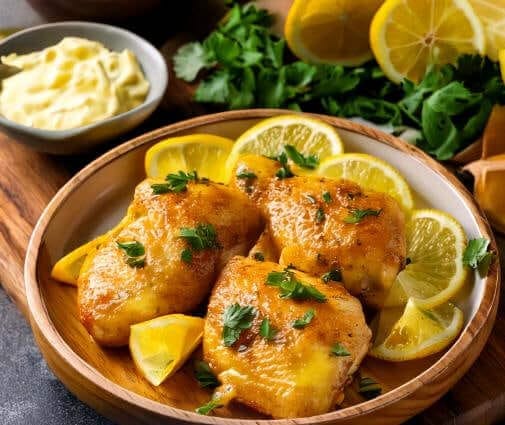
63 134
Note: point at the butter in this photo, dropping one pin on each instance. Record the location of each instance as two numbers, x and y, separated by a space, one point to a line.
71 84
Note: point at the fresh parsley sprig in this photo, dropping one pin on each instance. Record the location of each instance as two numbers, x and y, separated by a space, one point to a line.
309 162
135 253
333 275
236 319
267 331
477 256
205 376
209 407
339 350
290 287
305 319
356 215
175 183
201 237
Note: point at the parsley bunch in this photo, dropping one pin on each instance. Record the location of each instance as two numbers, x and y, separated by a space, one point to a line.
246 66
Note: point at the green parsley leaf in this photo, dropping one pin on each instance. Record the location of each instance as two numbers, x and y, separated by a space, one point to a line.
205 376
209 407
175 183
334 275
357 215
203 236
327 197
215 89
339 350
310 161
285 171
235 320
246 175
186 255
135 253
290 287
266 330
305 320
189 60
368 388
477 256
258 256
320 215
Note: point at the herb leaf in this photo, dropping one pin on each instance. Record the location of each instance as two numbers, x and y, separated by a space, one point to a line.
235 320
327 197
246 175
175 183
205 376
290 287
334 275
203 236
320 215
189 60
368 388
266 330
285 171
339 350
357 215
209 407
305 320
476 255
135 253
310 161
186 255
258 256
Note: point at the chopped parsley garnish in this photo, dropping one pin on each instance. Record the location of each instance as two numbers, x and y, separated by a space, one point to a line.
326 197
368 388
305 320
266 330
209 407
258 256
320 215
290 287
246 175
285 171
175 183
310 161
333 275
235 320
186 255
204 375
477 256
311 199
135 253
357 215
339 350
201 237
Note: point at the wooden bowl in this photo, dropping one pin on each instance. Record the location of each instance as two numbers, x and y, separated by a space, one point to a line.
106 378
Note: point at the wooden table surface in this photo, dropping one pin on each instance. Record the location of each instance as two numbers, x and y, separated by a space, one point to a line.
29 179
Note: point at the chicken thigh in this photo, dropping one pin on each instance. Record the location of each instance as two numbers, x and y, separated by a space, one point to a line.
165 259
323 226
300 367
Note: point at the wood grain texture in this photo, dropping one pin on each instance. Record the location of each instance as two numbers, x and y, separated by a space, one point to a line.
75 357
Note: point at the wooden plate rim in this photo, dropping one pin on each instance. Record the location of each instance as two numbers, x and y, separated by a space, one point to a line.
40 316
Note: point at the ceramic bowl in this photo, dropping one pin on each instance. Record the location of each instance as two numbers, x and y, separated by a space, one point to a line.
84 138
95 199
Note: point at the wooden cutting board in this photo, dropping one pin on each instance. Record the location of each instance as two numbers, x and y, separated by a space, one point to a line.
29 179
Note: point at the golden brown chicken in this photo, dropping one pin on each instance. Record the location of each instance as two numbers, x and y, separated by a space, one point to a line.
323 226
152 267
283 343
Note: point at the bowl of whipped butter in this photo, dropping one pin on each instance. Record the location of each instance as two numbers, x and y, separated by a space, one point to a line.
75 85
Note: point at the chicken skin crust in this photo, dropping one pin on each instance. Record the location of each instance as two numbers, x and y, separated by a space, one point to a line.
314 225
112 295
295 374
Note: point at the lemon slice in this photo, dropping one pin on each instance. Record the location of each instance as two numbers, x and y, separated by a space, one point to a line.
417 333
308 135
370 173
204 153
492 15
159 347
310 25
67 269
407 36
435 270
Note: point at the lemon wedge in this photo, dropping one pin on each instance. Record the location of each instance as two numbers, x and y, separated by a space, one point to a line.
370 173
308 135
417 333
492 15
329 31
67 269
407 36
435 271
159 347
205 153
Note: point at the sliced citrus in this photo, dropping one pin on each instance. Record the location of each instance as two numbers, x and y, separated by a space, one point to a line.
308 135
370 173
408 36
204 153
434 272
331 31
67 269
159 347
492 15
417 333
